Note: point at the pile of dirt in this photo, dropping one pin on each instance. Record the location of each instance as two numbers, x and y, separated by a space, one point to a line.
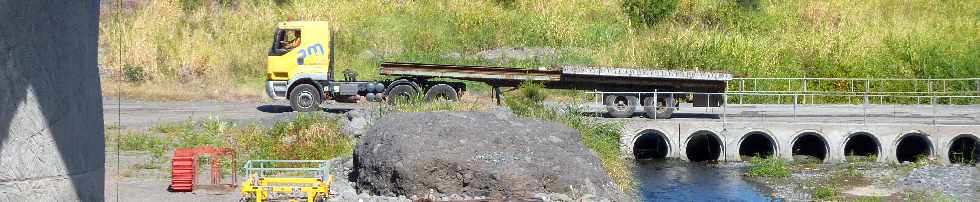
496 155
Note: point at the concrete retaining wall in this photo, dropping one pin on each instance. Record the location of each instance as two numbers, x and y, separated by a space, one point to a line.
51 130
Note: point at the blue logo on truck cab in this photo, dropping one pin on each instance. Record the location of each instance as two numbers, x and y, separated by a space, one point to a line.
315 49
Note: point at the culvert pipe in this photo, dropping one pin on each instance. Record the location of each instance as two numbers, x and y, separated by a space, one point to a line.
913 147
757 144
651 145
703 146
810 145
861 145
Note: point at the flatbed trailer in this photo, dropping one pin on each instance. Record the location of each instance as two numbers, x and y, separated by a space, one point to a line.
303 71
604 79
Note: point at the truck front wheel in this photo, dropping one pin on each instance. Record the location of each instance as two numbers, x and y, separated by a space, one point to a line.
305 98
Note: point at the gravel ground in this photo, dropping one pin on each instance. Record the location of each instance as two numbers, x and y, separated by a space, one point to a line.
960 182
877 180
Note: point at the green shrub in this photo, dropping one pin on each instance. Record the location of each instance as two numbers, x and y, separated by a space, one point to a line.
133 74
768 167
190 5
506 3
133 141
649 12
824 193
307 137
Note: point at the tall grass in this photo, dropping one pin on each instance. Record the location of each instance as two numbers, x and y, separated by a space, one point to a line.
226 43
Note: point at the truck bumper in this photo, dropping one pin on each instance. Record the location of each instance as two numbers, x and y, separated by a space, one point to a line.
276 89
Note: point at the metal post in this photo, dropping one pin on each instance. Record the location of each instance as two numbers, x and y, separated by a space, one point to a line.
656 102
804 91
794 106
708 106
932 101
976 82
944 91
915 88
741 89
867 87
724 109
850 86
933 109
881 99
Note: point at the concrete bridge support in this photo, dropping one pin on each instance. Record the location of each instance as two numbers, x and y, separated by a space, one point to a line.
52 146
732 141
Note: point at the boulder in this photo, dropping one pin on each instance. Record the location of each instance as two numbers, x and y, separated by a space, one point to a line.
497 155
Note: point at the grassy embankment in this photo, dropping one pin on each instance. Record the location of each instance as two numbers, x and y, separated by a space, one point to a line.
193 49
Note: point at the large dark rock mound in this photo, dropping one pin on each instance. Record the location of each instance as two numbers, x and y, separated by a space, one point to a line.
477 154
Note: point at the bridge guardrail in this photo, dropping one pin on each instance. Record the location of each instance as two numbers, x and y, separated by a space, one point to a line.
886 107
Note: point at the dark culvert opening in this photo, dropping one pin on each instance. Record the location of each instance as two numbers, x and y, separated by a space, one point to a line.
810 145
651 145
861 145
703 147
912 147
757 144
964 150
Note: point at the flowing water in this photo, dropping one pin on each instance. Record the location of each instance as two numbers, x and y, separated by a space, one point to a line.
675 180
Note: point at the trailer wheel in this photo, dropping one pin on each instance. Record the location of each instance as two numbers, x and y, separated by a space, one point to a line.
662 108
305 98
441 92
621 106
401 93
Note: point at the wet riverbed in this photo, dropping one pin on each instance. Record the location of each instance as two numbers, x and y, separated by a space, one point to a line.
675 180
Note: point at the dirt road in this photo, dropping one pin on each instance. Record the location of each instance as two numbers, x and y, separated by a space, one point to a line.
141 115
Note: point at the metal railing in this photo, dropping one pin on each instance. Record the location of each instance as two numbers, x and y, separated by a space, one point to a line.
895 108
855 86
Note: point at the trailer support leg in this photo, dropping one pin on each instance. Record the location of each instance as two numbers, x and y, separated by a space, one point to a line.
496 94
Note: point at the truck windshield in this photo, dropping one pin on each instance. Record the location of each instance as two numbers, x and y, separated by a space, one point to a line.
285 40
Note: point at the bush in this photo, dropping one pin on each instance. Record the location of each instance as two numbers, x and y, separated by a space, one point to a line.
506 3
134 74
190 5
768 167
307 137
824 193
649 12
133 141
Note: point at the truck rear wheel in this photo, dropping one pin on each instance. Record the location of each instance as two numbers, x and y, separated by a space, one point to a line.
401 93
305 98
661 108
621 106
441 92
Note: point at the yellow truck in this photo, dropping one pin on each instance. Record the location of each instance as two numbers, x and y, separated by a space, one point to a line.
301 69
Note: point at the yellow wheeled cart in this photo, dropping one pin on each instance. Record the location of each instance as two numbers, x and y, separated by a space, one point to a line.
286 179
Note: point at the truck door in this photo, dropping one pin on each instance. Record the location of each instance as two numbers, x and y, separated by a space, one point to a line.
283 54
302 52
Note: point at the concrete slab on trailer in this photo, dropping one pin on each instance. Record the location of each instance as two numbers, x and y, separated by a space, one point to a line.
644 73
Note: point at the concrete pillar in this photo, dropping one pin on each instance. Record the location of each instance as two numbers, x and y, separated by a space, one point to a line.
51 130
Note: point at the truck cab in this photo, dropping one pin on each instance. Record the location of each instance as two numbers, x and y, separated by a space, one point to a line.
299 59
300 67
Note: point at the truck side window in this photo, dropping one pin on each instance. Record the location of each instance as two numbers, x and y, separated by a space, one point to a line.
285 41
